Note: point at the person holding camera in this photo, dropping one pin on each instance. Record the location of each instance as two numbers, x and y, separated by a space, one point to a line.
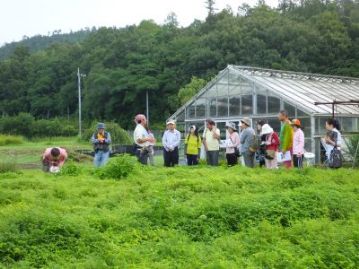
101 141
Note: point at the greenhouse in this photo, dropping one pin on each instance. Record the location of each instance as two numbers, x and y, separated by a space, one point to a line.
240 91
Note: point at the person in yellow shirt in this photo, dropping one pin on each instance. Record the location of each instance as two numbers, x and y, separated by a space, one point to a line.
193 144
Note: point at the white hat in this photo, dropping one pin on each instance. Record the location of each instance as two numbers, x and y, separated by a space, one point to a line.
171 122
266 129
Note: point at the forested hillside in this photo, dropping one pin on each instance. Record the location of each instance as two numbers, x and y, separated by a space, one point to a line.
122 63
40 42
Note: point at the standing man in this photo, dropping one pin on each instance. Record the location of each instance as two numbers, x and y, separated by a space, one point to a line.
53 159
171 140
286 138
101 141
247 141
211 138
142 139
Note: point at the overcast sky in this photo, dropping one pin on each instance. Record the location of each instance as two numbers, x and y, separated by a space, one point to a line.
30 17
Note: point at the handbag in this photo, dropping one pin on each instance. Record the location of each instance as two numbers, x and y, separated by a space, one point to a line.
335 158
236 149
270 154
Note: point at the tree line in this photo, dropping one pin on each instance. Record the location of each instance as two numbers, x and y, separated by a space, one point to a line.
121 64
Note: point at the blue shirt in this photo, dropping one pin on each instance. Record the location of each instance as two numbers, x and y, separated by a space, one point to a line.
171 139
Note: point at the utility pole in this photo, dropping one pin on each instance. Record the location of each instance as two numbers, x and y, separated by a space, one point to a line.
79 75
147 108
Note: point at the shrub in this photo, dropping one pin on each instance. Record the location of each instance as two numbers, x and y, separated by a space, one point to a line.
117 168
26 125
8 166
10 140
352 144
17 125
56 127
118 135
70 169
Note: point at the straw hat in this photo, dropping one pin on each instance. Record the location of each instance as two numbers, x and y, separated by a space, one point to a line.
246 121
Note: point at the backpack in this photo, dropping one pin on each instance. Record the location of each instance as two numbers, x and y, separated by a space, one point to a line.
253 147
335 158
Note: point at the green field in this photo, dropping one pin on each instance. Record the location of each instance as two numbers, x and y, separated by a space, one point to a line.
180 218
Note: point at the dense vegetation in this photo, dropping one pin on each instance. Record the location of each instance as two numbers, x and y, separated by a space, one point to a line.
180 218
122 64
41 42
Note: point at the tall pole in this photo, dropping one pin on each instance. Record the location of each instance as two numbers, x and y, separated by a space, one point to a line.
147 108
80 106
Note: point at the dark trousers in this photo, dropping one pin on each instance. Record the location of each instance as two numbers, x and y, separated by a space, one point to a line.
192 159
248 157
171 157
297 161
142 155
212 157
232 159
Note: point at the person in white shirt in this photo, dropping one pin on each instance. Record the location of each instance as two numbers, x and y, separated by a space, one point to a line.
211 138
171 140
142 139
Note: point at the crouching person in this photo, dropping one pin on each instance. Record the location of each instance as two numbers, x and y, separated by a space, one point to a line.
101 141
171 140
53 159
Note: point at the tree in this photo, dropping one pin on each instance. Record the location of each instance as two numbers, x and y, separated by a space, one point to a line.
191 89
210 5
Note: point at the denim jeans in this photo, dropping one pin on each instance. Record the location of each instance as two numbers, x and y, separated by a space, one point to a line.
101 158
212 157
248 158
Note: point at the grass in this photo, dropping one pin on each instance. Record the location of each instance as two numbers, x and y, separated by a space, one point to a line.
180 218
28 153
6 140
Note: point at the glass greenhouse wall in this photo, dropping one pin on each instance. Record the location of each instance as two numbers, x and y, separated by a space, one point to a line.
260 94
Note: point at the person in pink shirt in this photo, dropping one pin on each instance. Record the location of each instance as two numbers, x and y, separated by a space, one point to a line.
53 158
298 144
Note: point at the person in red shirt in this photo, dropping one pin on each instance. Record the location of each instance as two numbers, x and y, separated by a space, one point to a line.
272 145
53 159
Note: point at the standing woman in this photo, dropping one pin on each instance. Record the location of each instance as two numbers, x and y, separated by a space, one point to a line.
271 144
298 144
193 144
332 139
232 144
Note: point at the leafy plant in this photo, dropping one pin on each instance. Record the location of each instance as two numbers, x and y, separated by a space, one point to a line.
70 169
352 148
117 168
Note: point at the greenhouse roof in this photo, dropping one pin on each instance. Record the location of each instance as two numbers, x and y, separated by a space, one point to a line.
303 89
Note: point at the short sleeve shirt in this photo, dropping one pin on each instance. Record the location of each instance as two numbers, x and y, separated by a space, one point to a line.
212 143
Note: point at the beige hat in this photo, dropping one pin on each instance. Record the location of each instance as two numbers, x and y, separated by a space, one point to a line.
246 121
171 122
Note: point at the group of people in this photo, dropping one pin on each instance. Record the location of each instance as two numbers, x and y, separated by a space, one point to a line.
242 144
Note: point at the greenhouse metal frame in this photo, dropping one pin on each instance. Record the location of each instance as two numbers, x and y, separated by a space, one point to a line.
257 93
